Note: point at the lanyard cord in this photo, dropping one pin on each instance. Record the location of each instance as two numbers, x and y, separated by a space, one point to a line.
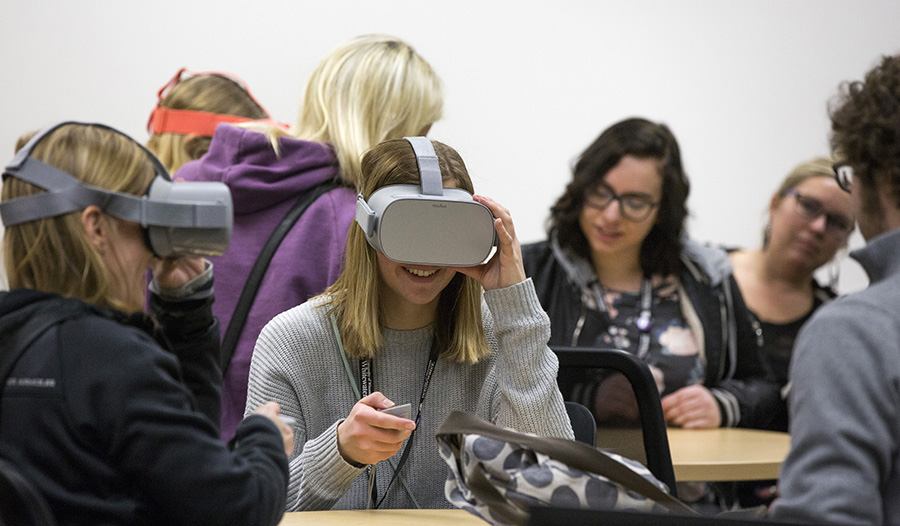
369 470
645 319
365 375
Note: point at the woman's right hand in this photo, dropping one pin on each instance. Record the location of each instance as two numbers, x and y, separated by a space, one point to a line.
368 436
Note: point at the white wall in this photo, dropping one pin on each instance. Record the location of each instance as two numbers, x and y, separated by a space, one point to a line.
743 85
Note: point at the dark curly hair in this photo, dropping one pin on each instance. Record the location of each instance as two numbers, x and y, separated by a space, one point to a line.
865 126
661 249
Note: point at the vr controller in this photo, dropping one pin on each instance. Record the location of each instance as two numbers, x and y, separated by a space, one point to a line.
427 224
190 218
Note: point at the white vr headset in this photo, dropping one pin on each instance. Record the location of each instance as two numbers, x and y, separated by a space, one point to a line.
179 219
427 224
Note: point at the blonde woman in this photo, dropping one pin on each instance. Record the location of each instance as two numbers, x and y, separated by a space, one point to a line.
190 107
109 413
486 355
810 220
368 89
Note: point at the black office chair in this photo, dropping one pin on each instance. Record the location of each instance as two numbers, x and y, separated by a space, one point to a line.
577 362
583 424
22 504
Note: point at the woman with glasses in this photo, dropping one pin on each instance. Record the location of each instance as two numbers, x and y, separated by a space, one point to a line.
618 272
810 219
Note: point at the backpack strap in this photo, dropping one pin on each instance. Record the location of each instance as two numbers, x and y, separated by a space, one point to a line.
251 286
12 347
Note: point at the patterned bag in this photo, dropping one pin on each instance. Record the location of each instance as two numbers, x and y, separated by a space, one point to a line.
498 474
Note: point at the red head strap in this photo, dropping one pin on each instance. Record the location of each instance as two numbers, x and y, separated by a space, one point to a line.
203 123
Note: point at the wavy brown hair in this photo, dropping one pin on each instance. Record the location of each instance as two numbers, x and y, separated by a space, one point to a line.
661 249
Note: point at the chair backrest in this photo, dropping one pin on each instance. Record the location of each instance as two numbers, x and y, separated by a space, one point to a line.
621 392
22 504
583 424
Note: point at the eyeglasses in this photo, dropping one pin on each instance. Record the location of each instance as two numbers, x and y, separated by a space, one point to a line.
812 209
633 206
843 173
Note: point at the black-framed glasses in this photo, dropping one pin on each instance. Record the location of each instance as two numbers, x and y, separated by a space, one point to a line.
633 206
812 209
843 173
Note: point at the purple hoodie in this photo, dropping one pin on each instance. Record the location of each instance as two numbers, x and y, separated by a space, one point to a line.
264 187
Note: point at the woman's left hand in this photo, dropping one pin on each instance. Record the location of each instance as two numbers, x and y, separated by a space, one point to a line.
172 273
692 407
505 267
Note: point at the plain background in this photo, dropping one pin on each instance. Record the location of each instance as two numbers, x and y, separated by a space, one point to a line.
528 85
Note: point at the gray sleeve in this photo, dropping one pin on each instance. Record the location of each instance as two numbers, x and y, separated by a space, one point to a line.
844 407
525 395
319 475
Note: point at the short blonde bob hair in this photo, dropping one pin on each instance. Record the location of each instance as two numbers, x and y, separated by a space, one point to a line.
208 92
53 254
355 298
369 89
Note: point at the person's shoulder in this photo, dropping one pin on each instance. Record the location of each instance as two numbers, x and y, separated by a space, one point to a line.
111 340
710 260
536 255
338 202
305 321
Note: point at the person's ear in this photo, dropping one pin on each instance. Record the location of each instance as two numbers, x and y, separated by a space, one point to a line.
773 203
96 230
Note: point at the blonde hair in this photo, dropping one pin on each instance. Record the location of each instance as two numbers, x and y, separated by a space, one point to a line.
355 298
367 90
53 254
209 92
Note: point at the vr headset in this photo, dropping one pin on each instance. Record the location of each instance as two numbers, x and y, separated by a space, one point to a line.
427 224
179 219
203 123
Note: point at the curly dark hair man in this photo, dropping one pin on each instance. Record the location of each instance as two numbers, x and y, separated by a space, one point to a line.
844 464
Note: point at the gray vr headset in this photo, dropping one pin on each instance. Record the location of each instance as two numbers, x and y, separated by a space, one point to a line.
179 219
427 224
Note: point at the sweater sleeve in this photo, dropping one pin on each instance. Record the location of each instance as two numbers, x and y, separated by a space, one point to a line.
319 475
845 416
526 396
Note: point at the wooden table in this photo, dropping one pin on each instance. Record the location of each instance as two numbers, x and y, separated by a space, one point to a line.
720 454
382 518
724 454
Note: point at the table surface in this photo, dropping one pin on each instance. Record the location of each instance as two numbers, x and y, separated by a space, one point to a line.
453 517
720 454
724 454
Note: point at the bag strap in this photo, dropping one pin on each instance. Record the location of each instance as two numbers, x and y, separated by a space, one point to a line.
569 452
251 286
13 346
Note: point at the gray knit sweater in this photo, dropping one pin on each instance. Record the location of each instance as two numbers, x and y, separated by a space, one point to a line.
297 363
844 464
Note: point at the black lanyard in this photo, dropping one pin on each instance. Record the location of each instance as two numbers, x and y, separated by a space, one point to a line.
365 380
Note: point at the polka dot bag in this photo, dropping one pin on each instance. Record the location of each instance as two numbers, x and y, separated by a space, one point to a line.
499 474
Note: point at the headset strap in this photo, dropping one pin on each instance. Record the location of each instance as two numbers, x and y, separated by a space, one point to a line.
67 194
251 286
429 168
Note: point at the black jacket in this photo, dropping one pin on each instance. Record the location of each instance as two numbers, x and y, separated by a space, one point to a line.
115 420
735 374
